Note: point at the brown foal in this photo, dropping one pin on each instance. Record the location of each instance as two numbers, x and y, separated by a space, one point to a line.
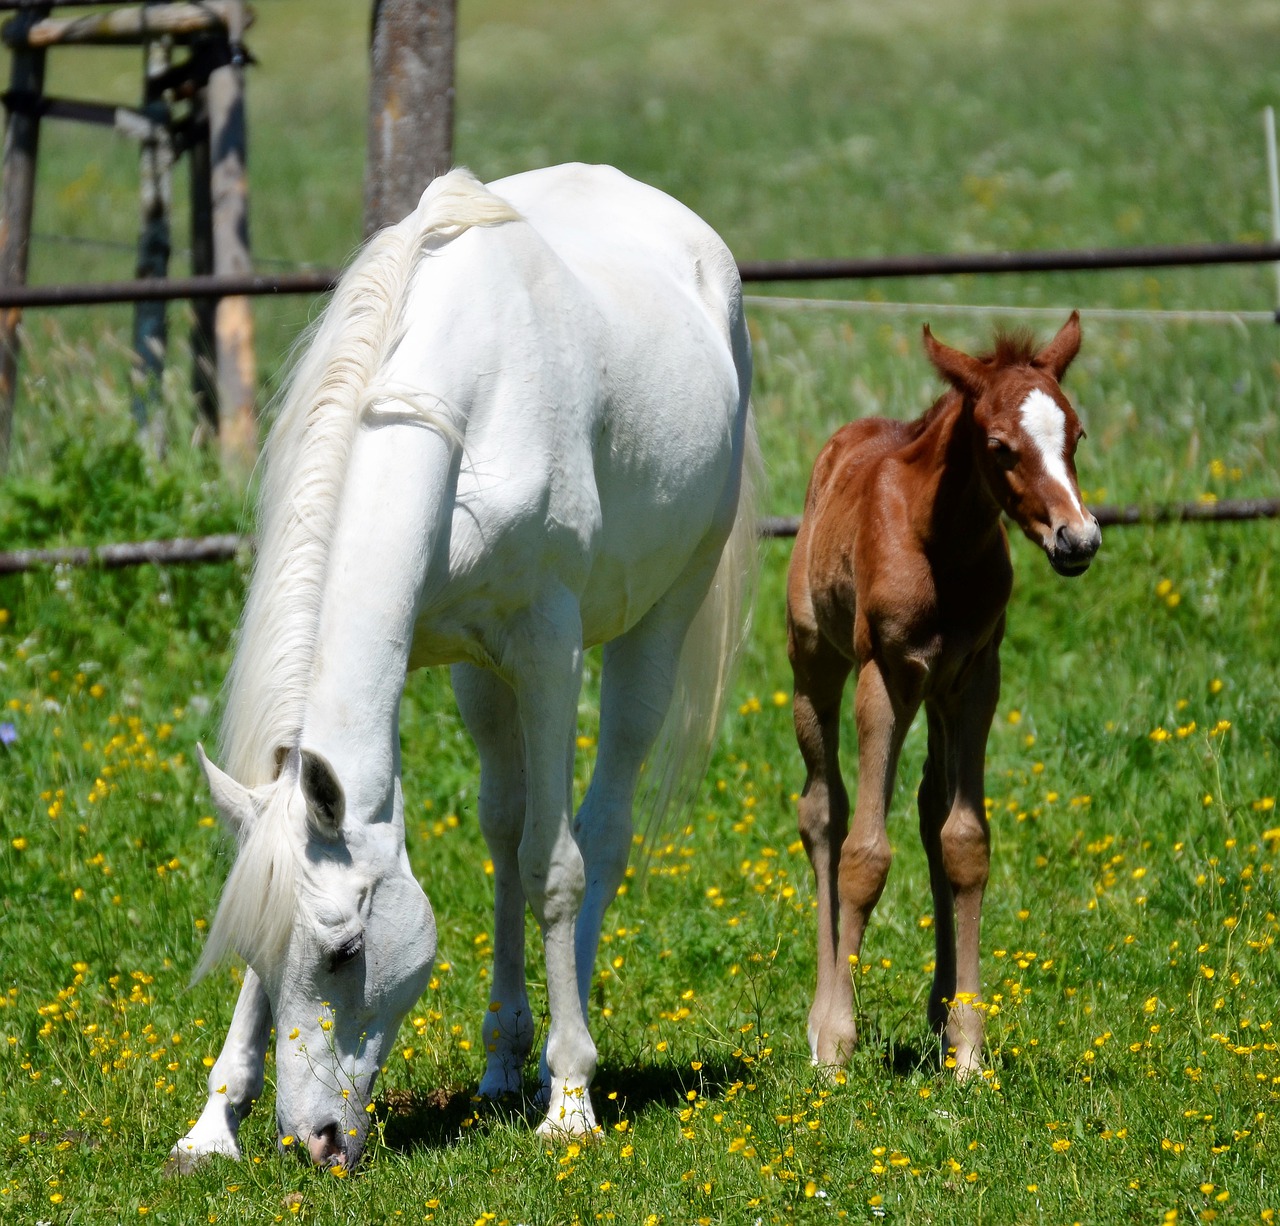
901 571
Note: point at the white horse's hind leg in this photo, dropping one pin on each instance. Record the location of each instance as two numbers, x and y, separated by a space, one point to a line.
235 1082
635 691
489 708
546 658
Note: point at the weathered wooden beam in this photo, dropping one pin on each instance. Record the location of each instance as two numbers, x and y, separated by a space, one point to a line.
410 105
1223 510
126 25
135 553
17 198
233 324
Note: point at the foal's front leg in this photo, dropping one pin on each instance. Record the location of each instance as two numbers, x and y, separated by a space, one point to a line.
959 863
882 720
235 1083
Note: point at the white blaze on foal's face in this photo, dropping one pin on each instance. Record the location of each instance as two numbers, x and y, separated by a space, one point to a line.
1045 423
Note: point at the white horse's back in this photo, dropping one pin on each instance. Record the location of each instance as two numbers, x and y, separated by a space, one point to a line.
600 355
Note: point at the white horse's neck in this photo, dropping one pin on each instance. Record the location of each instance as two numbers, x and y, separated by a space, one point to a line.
391 541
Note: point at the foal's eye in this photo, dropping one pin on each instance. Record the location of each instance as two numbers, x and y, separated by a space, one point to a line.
1002 453
341 956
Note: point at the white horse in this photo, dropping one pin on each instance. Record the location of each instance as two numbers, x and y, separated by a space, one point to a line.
519 430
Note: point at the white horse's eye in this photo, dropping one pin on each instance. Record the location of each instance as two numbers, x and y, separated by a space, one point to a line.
345 953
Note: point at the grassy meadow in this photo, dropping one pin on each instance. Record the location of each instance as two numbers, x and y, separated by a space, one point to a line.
1129 943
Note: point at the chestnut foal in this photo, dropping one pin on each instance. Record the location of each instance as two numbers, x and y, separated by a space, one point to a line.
901 570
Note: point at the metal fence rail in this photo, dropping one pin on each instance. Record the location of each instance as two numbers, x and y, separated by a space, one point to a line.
223 547
321 281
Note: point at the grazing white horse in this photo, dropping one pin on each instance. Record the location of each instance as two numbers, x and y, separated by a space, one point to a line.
519 430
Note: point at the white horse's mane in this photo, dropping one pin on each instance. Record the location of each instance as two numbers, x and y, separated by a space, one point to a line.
304 462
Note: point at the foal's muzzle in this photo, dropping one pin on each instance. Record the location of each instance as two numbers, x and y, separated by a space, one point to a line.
1074 547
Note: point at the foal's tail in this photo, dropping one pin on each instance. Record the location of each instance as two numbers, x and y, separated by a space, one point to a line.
678 760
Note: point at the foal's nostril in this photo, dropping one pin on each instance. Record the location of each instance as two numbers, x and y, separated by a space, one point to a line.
325 1147
1078 544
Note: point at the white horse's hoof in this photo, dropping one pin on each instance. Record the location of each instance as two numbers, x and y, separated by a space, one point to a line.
499 1083
571 1128
188 1154
569 1114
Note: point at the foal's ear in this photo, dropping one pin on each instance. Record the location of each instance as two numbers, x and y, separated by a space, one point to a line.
967 375
233 800
1056 356
326 804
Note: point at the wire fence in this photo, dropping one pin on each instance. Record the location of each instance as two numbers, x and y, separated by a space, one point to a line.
221 548
226 546
320 281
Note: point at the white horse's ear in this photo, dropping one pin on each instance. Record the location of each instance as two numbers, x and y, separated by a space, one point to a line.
326 804
233 800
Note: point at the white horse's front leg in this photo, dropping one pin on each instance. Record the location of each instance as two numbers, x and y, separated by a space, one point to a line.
549 676
489 708
235 1083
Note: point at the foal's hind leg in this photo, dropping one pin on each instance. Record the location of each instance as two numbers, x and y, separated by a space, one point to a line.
958 841
489 708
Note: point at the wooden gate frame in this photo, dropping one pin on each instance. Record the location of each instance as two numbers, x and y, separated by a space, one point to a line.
214 133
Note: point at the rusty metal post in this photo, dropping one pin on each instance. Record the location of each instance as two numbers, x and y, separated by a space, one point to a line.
17 198
410 105
233 327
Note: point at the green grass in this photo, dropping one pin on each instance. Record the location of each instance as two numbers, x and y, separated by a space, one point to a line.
1131 924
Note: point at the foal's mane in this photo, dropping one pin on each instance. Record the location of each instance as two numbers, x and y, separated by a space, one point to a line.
304 463
1010 347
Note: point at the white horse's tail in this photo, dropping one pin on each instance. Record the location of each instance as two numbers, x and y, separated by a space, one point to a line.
678 760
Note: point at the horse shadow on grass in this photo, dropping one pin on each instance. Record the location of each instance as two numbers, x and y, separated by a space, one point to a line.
441 1118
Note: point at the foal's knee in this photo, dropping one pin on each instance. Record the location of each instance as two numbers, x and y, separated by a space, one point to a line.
864 869
966 850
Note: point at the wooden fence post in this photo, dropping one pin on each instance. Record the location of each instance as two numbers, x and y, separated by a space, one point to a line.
17 197
204 360
410 105
233 325
150 323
